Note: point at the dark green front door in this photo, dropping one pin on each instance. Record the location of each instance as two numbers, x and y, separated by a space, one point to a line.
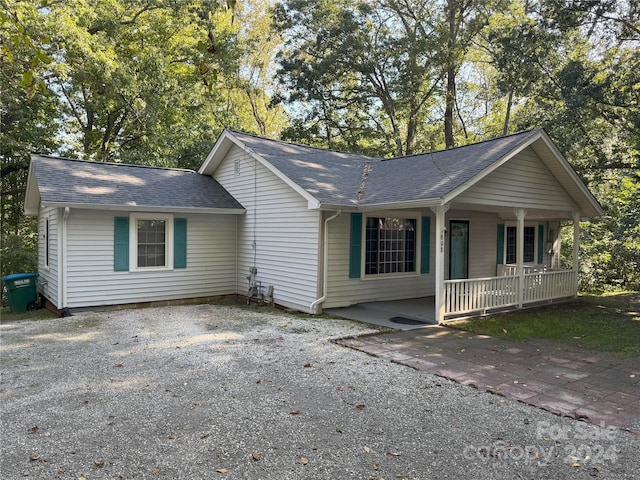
458 249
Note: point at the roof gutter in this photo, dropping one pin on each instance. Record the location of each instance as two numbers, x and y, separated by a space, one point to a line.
146 208
325 263
413 204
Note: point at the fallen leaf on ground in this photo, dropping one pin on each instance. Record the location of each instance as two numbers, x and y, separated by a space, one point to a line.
120 364
360 407
376 466
99 464
297 412
303 461
34 457
155 471
222 470
340 389
307 365
172 437
393 454
33 429
366 449
256 456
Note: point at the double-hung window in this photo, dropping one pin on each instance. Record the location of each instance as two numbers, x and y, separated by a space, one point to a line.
529 244
390 245
149 241
152 243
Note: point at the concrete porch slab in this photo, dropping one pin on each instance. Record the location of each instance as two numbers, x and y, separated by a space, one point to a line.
382 313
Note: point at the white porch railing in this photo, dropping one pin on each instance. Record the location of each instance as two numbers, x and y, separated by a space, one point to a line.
479 295
512 269
542 286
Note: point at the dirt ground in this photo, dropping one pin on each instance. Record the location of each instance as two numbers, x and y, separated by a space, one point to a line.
199 392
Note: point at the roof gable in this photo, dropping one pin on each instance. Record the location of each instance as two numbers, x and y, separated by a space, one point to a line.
65 182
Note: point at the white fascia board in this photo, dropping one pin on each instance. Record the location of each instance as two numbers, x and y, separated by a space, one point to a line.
143 208
494 166
32 193
222 146
406 205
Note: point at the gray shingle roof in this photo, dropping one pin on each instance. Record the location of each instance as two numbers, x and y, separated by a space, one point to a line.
77 182
338 178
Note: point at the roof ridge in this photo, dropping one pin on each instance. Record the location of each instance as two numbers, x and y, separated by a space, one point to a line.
467 145
296 144
94 162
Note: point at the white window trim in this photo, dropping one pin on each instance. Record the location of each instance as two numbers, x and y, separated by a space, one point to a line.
535 242
133 241
381 276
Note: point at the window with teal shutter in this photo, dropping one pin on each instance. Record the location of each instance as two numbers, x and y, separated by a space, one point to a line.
425 247
180 243
355 246
121 243
500 245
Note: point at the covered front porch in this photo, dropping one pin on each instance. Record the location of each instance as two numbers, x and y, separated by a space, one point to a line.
515 285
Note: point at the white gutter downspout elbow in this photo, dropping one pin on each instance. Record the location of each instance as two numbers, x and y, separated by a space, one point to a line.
325 267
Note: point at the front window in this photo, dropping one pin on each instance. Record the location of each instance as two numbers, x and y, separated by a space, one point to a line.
529 244
390 245
152 243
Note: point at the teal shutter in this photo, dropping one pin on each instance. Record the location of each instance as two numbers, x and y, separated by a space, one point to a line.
500 245
121 244
180 243
425 246
355 246
540 244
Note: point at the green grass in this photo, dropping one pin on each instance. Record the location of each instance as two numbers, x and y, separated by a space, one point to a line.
42 314
608 323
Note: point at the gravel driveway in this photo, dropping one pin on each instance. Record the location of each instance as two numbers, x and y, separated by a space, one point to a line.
200 392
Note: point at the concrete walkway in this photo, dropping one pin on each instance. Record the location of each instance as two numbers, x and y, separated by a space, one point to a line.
586 385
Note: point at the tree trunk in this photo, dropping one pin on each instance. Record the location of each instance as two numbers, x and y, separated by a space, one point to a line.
449 107
507 117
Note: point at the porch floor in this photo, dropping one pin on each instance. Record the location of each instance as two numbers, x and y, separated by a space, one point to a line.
407 314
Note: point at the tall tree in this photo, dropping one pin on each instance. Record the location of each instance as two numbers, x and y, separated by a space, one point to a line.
364 70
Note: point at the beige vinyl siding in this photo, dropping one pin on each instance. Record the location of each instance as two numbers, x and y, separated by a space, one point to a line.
278 234
91 280
524 182
344 291
48 279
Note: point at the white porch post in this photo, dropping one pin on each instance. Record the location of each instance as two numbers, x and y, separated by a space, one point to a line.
576 248
440 211
521 213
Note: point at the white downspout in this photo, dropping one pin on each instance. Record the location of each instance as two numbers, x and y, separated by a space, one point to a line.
325 266
63 260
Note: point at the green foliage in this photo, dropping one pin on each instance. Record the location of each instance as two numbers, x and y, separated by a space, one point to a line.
610 250
19 251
